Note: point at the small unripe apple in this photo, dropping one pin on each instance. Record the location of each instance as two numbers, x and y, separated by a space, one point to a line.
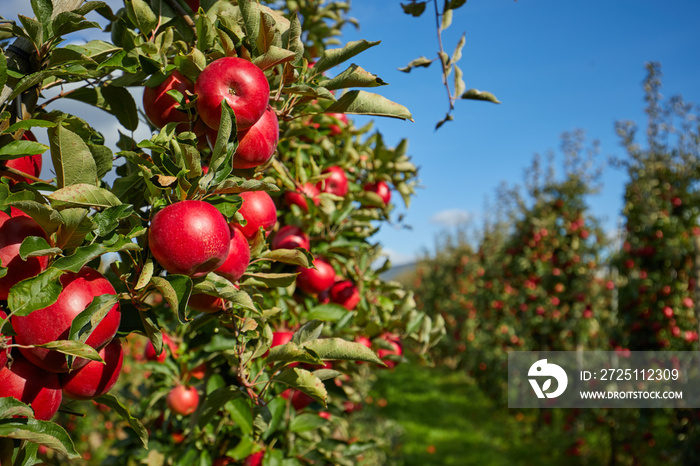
238 257
95 379
183 400
336 183
53 322
381 188
31 385
298 198
258 209
190 238
29 164
318 280
242 84
291 237
13 230
345 293
161 108
257 143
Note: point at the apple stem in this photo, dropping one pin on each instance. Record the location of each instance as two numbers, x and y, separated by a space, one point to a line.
16 172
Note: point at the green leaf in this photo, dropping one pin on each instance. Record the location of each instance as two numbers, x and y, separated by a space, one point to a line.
10 407
339 349
28 124
141 14
239 185
75 227
306 422
68 22
309 331
83 195
123 412
17 149
35 293
446 19
108 220
354 76
367 103
85 254
36 246
329 312
85 323
145 275
241 414
44 433
3 70
251 21
269 280
333 57
414 9
215 285
288 256
73 348
475 94
49 219
291 352
292 37
304 381
71 157
121 104
43 9
176 290
272 57
122 60
34 30
214 401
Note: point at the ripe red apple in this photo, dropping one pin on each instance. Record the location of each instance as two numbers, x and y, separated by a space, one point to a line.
381 188
281 338
318 280
4 351
395 350
238 257
95 379
194 4
336 183
258 210
300 400
298 198
183 400
257 143
13 230
53 322
31 385
205 303
242 84
254 459
290 237
168 345
161 108
190 238
345 293
29 164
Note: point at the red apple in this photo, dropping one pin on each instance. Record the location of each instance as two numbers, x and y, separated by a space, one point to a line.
254 459
300 400
336 183
242 84
258 210
190 238
193 4
168 345
395 350
223 461
13 230
29 164
345 293
95 379
238 258
257 143
381 188
53 322
298 198
183 400
206 303
161 108
291 237
281 338
318 280
4 352
31 385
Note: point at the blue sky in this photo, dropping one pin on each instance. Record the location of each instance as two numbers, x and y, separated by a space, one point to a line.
556 66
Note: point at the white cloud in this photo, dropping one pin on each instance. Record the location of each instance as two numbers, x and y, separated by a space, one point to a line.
397 258
451 217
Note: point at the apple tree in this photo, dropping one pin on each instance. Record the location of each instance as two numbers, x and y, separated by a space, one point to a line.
224 266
